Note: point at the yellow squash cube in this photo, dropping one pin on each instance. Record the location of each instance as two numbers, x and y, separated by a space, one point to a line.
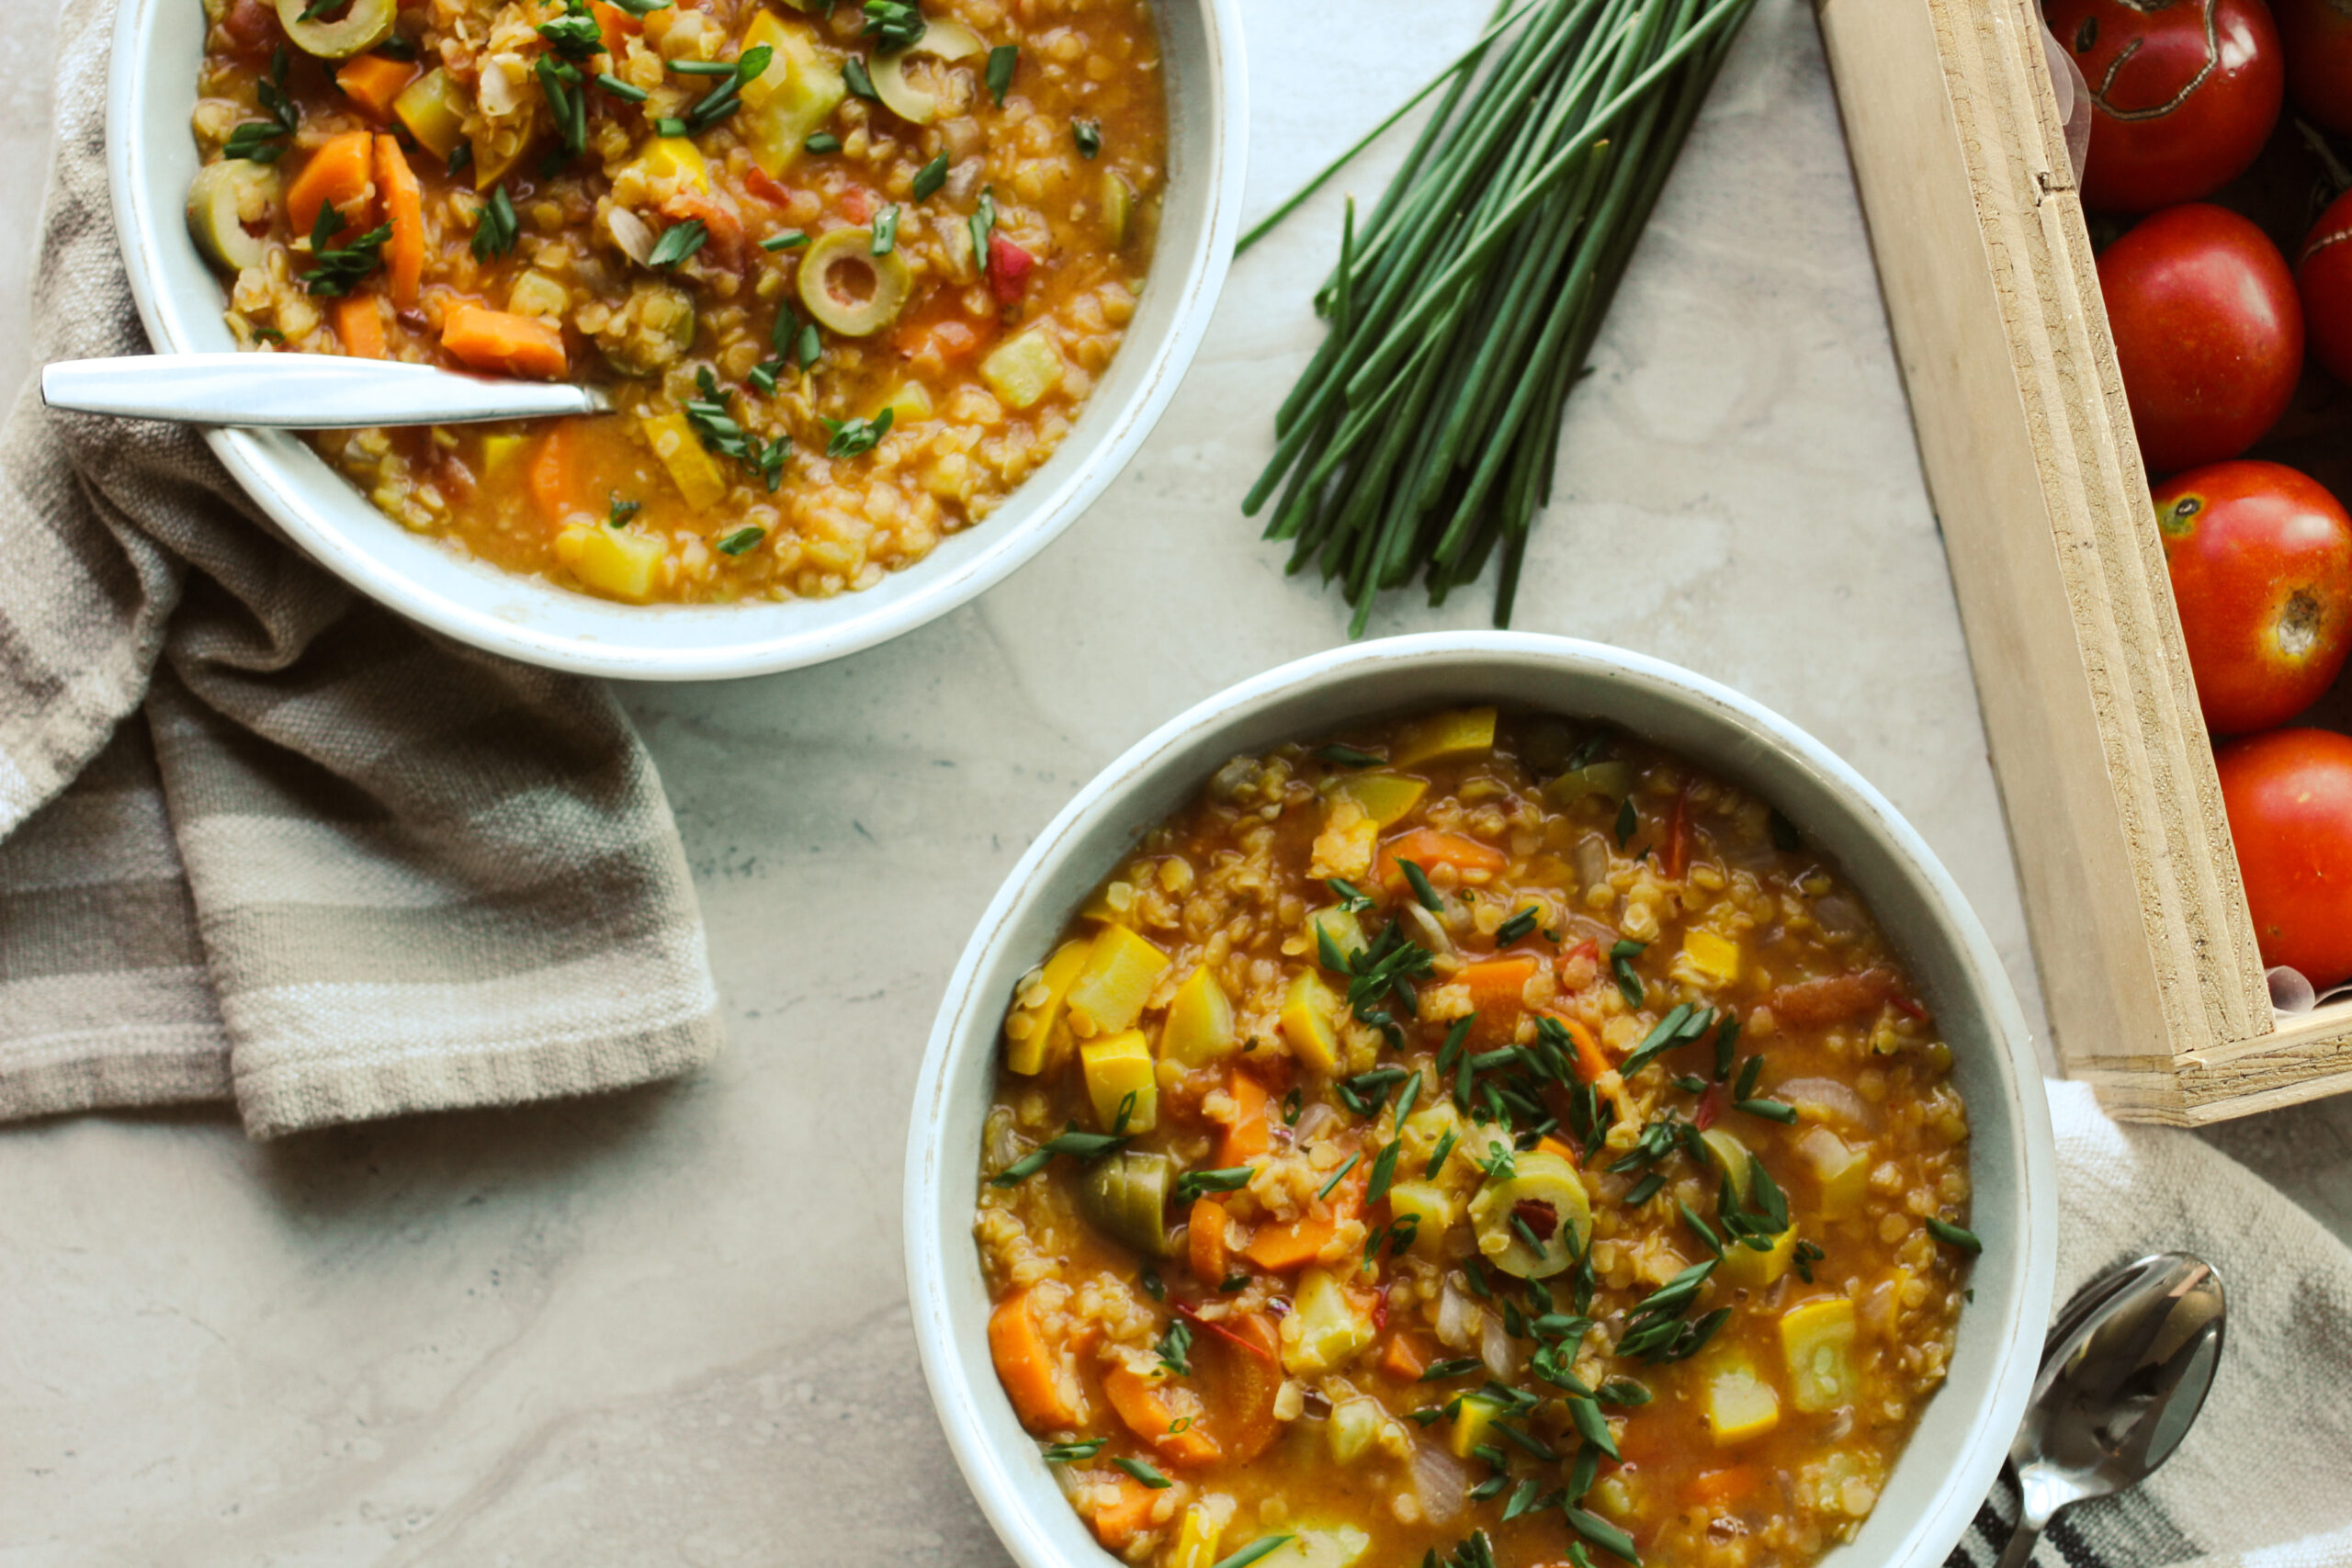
1344 930
1432 1211
1328 1326
1743 1265
1200 1027
1121 969
1029 1031
434 108
1021 369
789 101
1384 797
1308 1023
1474 1421
1739 1403
1462 732
1115 1066
1334 1546
1818 1340
696 473
1712 959
1197 1540
1844 1173
617 562
671 161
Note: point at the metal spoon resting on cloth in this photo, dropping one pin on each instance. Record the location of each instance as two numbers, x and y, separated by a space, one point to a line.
2124 1372
300 391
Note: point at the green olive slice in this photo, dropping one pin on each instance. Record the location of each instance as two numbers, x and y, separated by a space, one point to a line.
222 199
1547 1197
367 24
941 42
1126 1197
849 288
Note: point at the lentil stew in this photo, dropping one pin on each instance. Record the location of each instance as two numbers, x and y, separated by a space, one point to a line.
849 272
1481 1139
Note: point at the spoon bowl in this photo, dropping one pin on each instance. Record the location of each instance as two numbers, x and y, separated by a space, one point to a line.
2124 1372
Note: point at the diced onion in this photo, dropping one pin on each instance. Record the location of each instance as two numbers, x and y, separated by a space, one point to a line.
1495 1347
494 89
1439 1480
631 233
1824 1098
1592 861
1457 1319
1433 935
1315 1120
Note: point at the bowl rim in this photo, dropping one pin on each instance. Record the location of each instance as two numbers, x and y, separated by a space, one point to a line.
259 461
967 1021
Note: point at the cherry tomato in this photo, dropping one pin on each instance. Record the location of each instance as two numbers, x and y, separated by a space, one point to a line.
2184 94
2316 36
2208 333
2261 564
2323 279
2288 795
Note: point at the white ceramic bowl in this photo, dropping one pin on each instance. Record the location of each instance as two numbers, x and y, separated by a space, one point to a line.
1945 1473
151 158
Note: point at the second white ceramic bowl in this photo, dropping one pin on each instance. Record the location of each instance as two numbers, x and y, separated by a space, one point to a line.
151 158
1945 1473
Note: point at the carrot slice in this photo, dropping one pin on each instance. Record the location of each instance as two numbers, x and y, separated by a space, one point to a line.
1405 1359
1725 1484
1497 988
1247 1137
404 210
336 175
1591 1062
1426 847
1204 1240
372 82
1025 1367
360 325
1285 1244
552 479
502 343
1119 1522
1138 1400
616 26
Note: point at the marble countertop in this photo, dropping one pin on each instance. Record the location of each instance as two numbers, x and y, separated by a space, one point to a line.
670 1326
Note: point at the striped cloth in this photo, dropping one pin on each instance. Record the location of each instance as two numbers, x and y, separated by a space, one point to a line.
2265 1478
263 840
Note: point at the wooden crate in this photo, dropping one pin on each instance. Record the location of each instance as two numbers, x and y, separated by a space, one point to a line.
2146 949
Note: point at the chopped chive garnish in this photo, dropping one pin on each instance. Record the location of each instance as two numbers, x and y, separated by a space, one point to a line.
1252 1553
1088 134
1002 61
1074 1453
791 239
1142 1470
742 539
1337 1176
823 142
1422 888
627 92
929 178
1347 756
1954 1235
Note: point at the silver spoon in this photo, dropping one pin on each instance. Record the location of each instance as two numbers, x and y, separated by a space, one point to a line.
300 391
2123 1373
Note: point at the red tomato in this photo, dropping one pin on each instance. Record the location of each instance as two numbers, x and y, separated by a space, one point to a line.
2184 94
2317 37
2208 333
2323 279
1009 267
2289 799
2261 564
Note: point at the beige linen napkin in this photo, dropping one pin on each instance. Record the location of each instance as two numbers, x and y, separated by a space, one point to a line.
262 839
2265 1478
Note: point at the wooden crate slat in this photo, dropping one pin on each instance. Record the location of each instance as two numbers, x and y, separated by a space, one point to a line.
2148 958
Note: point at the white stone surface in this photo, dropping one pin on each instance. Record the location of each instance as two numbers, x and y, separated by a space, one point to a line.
669 1326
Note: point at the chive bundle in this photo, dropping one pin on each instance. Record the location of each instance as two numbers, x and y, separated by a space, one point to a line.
1423 434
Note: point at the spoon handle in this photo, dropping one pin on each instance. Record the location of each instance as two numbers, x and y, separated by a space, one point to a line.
2019 1551
300 391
